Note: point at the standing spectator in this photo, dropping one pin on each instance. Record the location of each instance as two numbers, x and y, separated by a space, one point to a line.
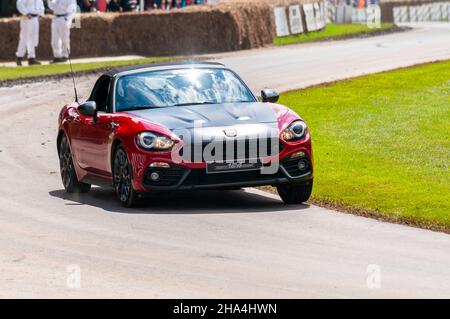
165 4
7 8
178 3
63 13
86 5
114 6
128 5
30 10
101 5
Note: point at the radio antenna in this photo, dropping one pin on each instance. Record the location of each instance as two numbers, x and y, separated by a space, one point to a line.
73 77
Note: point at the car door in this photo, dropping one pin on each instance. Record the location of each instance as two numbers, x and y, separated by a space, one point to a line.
95 143
95 133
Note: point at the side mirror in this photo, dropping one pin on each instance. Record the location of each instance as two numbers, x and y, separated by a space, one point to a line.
88 108
269 95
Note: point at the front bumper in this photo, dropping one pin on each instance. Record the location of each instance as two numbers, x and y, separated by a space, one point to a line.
192 175
184 178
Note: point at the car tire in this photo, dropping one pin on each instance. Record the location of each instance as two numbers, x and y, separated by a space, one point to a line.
123 178
295 193
67 169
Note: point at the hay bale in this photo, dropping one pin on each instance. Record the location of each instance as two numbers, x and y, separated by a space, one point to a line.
95 37
175 32
9 37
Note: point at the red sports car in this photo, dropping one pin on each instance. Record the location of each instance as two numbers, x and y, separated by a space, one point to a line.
182 126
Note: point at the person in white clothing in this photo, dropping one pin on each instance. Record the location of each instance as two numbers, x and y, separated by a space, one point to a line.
30 10
64 12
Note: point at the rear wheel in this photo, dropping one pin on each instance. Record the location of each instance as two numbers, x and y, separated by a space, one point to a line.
295 193
123 179
68 174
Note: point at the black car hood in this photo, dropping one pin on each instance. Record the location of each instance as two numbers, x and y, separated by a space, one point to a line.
209 115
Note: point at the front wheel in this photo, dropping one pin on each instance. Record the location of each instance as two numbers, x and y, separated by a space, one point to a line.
295 193
123 179
68 174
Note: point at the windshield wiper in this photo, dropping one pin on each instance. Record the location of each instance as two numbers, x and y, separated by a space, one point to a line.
194 103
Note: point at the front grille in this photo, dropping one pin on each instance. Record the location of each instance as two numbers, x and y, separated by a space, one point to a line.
233 150
167 176
291 166
200 177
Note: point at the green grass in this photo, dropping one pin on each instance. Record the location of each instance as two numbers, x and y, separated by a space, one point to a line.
331 31
13 73
382 144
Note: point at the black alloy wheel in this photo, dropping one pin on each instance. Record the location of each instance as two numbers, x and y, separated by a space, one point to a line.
123 179
67 169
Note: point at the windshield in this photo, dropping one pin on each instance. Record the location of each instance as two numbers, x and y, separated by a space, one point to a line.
180 87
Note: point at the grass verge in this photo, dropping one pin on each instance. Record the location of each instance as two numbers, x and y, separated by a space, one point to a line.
333 31
15 73
382 144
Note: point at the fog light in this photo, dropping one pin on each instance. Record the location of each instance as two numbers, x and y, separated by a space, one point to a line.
159 165
298 154
154 176
302 165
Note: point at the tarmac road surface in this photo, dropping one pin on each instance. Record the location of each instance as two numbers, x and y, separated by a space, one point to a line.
206 244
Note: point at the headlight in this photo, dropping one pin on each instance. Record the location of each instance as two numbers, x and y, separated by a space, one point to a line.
294 132
153 142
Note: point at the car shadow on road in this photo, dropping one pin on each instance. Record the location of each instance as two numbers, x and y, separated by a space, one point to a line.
192 202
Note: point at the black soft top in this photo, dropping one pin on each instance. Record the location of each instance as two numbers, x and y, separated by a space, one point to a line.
115 71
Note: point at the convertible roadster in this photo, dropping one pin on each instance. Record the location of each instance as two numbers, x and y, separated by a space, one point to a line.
182 126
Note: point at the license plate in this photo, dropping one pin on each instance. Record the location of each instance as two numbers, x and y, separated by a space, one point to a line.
212 168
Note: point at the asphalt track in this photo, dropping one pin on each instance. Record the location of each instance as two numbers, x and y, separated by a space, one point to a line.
207 244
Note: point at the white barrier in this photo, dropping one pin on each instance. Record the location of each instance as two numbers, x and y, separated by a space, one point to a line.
428 12
423 13
357 15
438 11
445 11
340 14
310 18
396 14
289 20
281 21
448 10
373 15
413 14
330 10
295 19
323 14
344 14
401 14
435 12
320 24
348 14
